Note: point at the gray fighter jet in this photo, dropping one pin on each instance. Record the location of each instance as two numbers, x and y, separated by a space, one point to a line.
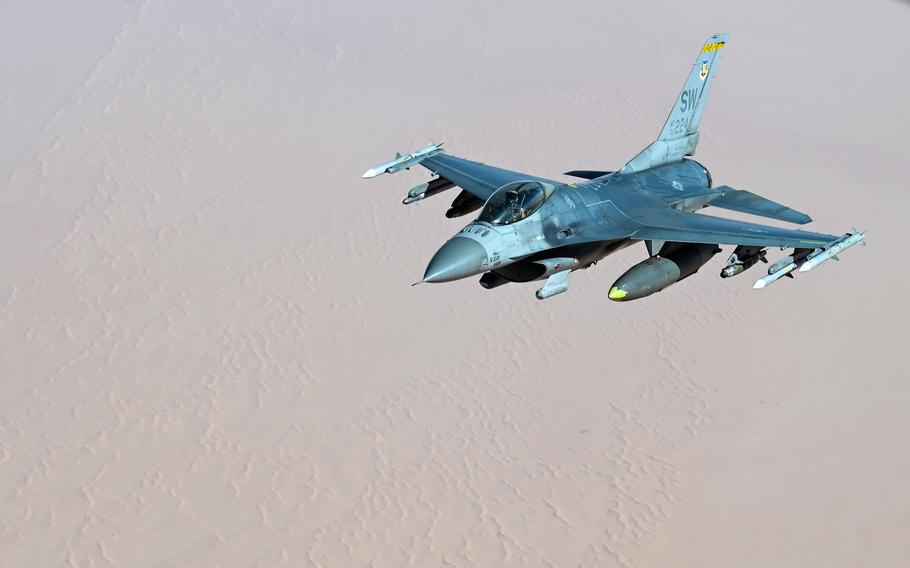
532 228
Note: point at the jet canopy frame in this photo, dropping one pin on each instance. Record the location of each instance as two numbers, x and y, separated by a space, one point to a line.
515 201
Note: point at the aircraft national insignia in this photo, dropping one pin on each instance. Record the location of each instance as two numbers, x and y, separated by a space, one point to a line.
703 74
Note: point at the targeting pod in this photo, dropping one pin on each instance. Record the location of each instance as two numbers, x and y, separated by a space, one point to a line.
428 189
742 259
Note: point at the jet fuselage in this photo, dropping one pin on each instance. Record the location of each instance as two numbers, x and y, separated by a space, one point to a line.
514 250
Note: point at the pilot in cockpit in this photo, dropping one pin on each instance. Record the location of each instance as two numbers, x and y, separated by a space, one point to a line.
513 204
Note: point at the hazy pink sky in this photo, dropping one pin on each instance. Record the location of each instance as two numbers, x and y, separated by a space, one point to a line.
211 354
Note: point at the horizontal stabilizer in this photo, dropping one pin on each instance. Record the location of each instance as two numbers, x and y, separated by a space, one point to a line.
587 174
747 202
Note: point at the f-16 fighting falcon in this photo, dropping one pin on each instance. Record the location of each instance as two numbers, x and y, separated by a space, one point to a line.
531 228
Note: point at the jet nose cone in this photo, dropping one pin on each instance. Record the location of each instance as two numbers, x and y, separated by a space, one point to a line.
458 258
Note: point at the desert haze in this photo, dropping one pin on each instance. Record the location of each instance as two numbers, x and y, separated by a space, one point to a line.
212 354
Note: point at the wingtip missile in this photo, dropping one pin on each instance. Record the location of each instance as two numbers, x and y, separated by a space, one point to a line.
806 259
832 251
406 161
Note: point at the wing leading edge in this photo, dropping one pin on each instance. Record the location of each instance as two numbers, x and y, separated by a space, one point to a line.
477 179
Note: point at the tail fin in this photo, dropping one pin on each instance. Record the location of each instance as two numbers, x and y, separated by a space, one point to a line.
679 136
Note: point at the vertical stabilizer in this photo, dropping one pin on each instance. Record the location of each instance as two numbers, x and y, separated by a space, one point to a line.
679 136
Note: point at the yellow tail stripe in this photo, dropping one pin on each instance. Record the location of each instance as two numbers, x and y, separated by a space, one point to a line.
712 47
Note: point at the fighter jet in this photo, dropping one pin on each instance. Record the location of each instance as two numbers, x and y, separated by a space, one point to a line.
535 229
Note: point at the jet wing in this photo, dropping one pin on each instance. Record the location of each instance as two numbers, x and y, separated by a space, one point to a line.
747 202
477 179
677 226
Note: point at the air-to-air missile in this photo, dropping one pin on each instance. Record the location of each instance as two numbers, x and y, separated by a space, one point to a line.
785 270
783 267
659 272
404 162
807 259
834 250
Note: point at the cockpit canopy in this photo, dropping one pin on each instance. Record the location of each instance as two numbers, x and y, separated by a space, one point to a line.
514 202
